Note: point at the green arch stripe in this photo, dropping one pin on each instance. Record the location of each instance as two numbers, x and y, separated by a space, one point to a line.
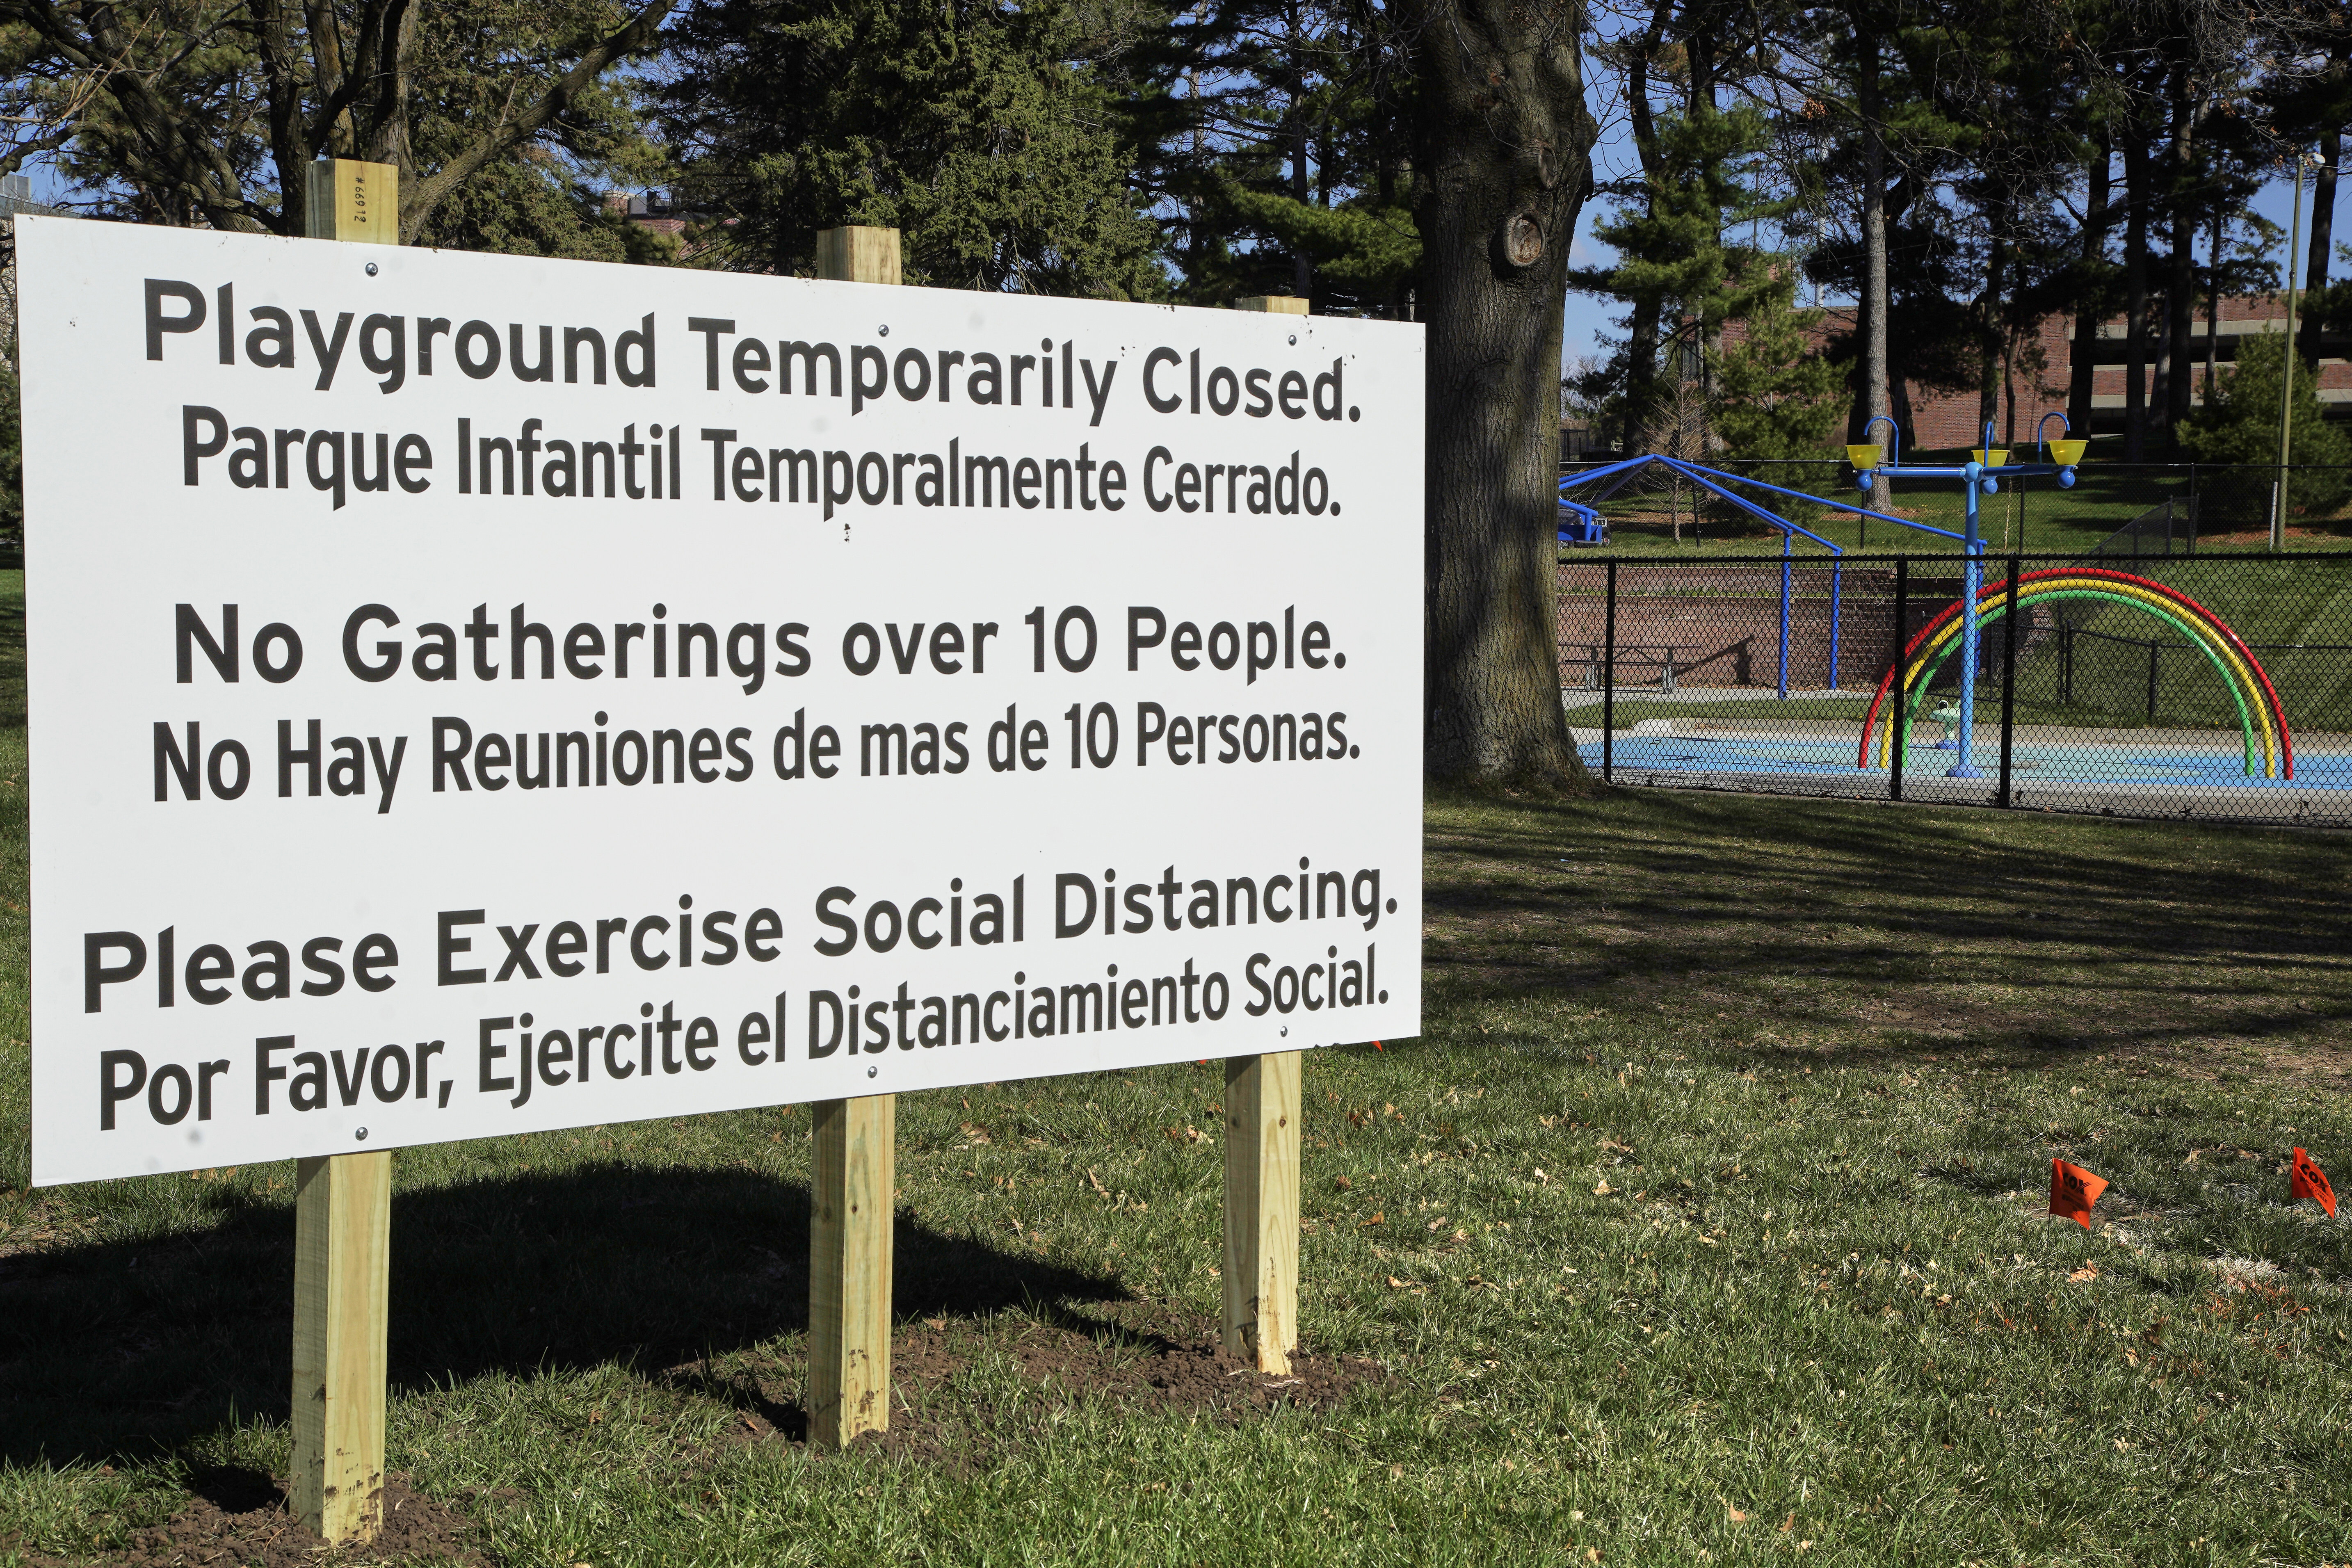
1999 608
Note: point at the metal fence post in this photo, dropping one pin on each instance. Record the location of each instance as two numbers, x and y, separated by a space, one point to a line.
1787 541
1608 683
1837 611
1895 715
2009 678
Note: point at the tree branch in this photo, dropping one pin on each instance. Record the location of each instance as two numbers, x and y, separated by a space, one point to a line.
418 202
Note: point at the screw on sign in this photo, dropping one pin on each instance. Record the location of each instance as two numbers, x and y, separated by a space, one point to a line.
2073 1191
2308 1181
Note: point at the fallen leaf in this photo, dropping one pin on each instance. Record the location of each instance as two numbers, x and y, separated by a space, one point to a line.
1790 1523
974 1133
2088 1272
1343 1183
1602 1191
1737 1516
1378 1218
1095 1182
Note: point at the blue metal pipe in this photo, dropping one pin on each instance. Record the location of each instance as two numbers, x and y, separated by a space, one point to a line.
1822 501
1971 582
1697 476
1602 473
1894 438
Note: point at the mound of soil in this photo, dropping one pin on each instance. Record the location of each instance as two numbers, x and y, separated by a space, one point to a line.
240 1517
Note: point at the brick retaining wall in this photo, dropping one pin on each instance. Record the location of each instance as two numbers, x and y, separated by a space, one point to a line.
1723 623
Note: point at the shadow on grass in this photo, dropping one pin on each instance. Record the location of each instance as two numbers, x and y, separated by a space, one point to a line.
1697 891
122 1350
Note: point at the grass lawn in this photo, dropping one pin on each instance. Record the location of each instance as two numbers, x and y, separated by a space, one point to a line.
1704 1226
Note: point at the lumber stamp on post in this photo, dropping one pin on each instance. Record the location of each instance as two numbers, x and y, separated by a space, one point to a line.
855 1185
1261 1277
342 1263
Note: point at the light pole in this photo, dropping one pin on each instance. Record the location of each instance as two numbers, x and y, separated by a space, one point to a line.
2286 360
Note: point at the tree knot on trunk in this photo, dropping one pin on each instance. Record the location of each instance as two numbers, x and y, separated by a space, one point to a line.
1521 240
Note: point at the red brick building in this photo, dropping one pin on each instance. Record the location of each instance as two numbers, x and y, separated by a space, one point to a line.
1937 419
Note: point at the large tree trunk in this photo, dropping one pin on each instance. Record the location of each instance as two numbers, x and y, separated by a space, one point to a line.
1874 301
2082 370
2213 313
1990 344
1505 151
2135 198
2322 230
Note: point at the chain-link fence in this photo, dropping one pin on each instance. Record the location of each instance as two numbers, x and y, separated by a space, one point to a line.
2209 686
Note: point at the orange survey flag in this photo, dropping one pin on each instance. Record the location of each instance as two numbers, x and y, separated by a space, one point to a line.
2073 1191
2308 1181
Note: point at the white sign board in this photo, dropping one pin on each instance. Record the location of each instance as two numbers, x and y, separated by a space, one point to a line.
474 695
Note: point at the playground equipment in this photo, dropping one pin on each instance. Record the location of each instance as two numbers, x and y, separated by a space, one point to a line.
1581 525
2269 747
1713 480
1986 467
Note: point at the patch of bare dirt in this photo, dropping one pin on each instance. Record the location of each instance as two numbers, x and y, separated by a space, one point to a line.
1135 1356
240 1518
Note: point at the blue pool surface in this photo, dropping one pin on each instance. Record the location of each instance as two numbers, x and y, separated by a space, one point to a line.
2042 763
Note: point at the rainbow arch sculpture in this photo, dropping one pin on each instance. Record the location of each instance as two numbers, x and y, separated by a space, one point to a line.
2269 749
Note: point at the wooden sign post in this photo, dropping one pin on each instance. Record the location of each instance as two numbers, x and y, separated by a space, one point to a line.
853 1194
1262 1109
343 1202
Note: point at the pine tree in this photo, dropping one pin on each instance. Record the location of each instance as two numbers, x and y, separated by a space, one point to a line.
2243 425
967 125
1776 394
1676 266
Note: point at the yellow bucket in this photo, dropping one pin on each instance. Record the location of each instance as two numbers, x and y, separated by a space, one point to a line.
1990 457
1866 457
2066 454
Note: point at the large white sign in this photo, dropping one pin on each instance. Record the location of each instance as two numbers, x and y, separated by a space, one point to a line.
474 695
